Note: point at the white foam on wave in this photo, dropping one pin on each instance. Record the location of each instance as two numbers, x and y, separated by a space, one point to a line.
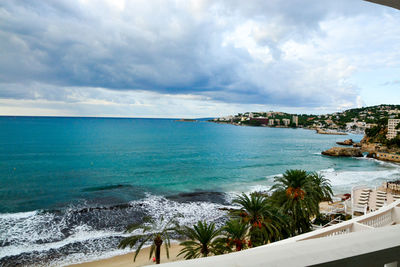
274 175
77 258
17 215
28 227
157 207
342 178
22 232
259 188
81 233
330 170
191 212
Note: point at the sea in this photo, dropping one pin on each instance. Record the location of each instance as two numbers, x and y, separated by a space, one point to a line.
70 186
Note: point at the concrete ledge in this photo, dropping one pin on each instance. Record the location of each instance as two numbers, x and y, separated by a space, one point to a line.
366 248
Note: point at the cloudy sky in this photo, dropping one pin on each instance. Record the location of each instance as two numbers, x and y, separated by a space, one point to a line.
196 58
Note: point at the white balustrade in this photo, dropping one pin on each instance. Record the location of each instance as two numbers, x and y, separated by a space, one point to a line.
379 220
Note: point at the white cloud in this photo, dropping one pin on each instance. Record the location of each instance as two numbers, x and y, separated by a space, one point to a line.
188 54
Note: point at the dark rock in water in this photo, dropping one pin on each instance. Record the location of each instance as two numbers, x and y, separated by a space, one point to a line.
357 145
107 187
343 152
201 196
371 155
348 142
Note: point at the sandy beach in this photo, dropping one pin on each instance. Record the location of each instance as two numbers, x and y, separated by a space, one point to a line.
141 260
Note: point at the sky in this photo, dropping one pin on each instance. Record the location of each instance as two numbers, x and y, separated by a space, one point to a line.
196 58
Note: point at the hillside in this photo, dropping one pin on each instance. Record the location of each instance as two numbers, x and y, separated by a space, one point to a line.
373 121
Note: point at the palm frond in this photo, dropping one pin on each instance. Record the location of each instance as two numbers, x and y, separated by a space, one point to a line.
167 250
152 248
132 227
140 246
129 241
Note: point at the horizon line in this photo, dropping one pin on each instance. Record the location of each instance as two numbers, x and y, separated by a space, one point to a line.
103 117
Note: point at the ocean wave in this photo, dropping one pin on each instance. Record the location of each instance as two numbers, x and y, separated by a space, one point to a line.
160 206
259 188
81 234
17 215
274 175
384 163
329 170
341 178
44 237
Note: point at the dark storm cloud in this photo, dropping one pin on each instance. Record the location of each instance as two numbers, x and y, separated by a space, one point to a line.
173 47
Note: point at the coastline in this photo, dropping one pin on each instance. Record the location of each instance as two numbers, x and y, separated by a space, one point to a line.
127 259
317 130
92 226
143 257
320 131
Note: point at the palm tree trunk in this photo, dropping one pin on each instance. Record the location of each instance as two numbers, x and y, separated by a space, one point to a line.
204 250
158 250
158 242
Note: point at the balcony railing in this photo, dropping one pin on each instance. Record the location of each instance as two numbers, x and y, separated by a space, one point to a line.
369 240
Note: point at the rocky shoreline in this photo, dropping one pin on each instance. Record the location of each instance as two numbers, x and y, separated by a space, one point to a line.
343 152
320 131
348 142
364 146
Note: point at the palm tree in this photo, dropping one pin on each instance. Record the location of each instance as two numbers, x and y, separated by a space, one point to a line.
322 186
156 232
202 240
298 193
264 220
235 232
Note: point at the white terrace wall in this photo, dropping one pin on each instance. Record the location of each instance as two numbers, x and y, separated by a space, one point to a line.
369 240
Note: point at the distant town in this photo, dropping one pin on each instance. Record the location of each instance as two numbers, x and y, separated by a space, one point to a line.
353 120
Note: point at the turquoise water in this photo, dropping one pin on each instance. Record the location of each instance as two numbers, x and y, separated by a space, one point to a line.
56 167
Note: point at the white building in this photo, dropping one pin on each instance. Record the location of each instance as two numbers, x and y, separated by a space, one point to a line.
295 120
286 122
394 111
271 122
392 131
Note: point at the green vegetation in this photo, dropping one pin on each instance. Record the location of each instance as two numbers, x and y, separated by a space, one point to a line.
299 193
203 240
265 221
252 123
235 235
155 231
377 134
259 219
393 143
352 119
